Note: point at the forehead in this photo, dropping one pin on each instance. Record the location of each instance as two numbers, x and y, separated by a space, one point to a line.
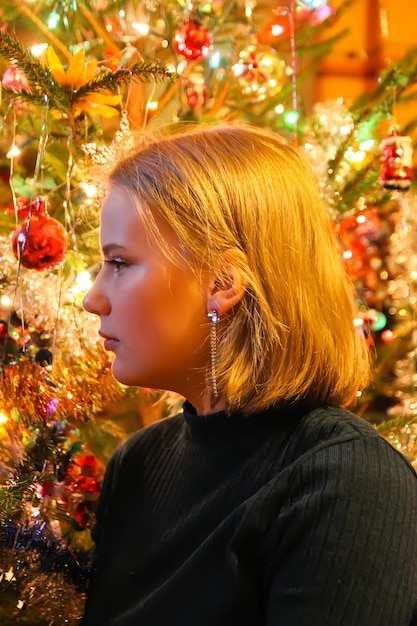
127 224
117 204
119 219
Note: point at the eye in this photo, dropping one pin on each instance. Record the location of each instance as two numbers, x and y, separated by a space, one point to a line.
117 263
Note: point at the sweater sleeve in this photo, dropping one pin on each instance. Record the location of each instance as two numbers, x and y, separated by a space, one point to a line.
345 543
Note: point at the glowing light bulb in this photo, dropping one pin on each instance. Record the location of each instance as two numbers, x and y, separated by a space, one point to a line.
291 118
90 190
13 152
277 30
82 282
143 29
53 20
368 144
38 49
214 60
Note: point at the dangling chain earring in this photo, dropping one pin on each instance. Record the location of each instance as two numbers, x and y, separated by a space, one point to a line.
213 356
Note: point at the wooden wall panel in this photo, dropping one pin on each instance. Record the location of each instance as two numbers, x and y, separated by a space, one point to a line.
380 33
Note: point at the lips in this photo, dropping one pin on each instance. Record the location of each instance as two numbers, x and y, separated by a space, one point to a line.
110 343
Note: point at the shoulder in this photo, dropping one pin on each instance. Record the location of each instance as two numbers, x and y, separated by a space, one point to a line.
343 533
335 424
337 471
340 453
337 438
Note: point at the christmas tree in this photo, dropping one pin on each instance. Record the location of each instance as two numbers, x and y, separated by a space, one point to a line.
80 83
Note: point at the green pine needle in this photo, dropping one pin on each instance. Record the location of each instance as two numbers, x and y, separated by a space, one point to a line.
44 89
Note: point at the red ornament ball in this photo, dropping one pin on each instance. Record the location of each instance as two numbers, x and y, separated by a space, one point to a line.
192 40
41 242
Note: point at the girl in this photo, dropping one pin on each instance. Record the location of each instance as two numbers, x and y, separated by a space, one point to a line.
263 503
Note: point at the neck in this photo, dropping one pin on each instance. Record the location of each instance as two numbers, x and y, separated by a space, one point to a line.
203 404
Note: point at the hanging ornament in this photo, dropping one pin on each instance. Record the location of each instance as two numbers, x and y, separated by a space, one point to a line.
15 79
193 40
41 242
397 161
195 91
260 72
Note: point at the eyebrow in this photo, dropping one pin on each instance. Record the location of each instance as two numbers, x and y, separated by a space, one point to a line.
109 247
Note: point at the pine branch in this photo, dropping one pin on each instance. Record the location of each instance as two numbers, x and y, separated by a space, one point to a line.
392 425
45 90
14 494
21 487
39 77
141 71
362 182
394 80
392 85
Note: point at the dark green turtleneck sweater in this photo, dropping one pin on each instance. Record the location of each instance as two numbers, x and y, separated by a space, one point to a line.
284 518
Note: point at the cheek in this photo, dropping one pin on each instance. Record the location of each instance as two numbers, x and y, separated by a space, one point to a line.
160 309
146 315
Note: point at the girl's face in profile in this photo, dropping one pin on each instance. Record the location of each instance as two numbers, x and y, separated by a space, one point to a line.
153 313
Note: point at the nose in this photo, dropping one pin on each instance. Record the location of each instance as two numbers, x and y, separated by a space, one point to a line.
95 300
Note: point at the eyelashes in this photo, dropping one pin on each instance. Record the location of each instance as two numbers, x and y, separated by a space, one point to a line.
117 263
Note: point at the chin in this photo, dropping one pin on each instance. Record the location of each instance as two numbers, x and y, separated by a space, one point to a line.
130 379
125 378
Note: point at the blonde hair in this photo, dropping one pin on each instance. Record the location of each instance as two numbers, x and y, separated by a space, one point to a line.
291 337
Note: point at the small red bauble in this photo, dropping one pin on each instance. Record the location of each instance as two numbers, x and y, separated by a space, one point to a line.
4 331
192 40
397 161
195 91
41 242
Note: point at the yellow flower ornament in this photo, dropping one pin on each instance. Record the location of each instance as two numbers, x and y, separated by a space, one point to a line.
78 74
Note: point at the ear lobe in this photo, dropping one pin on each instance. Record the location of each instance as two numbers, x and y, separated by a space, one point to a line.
228 288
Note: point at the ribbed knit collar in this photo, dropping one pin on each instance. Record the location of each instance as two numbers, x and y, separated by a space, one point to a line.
222 425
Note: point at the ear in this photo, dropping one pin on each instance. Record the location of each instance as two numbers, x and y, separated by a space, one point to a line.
228 285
